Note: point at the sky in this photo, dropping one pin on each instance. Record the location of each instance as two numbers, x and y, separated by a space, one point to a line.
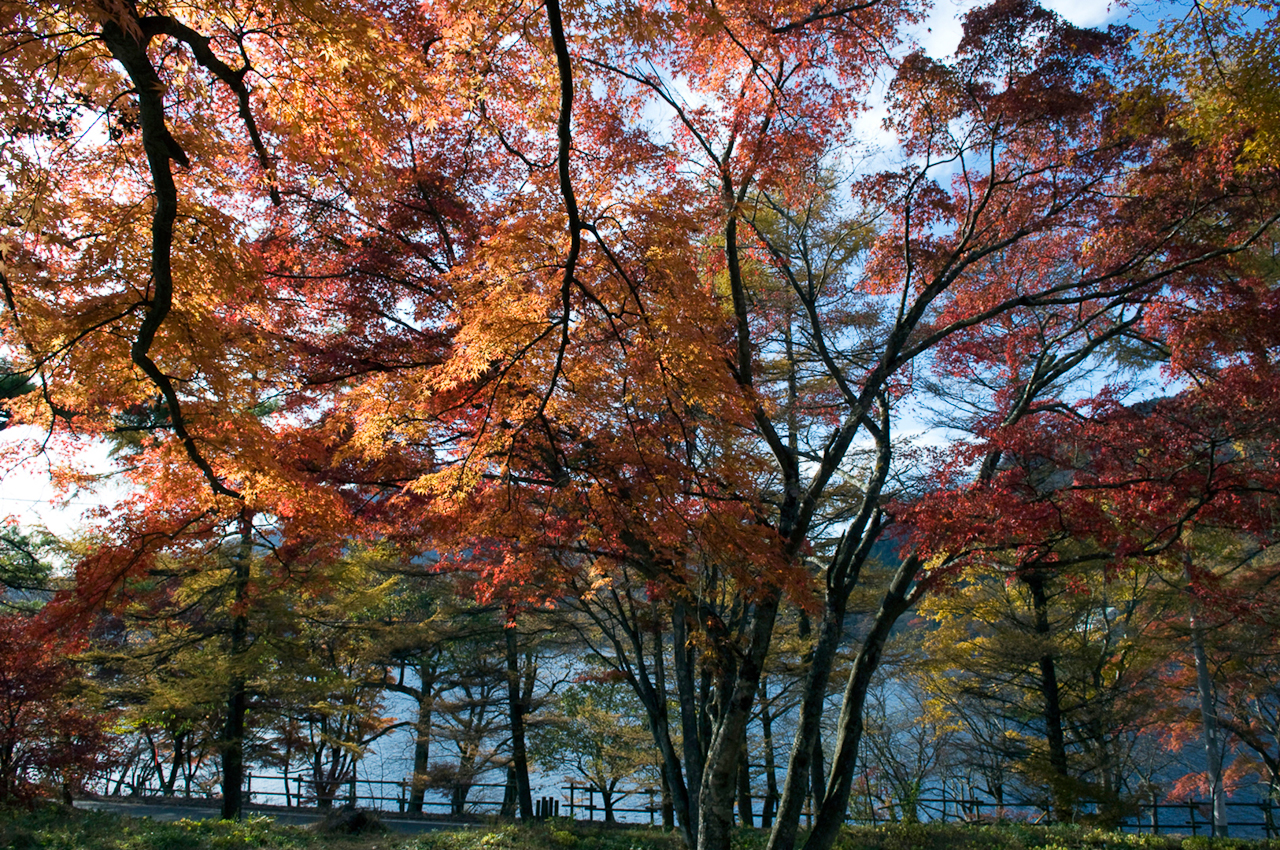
28 496
939 35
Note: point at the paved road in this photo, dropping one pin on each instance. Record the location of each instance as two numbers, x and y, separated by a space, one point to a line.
301 817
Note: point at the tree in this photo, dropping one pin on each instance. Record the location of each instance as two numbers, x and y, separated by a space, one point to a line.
597 735
263 659
24 566
453 658
1071 745
52 736
135 256
504 318
415 648
1136 486
1219 582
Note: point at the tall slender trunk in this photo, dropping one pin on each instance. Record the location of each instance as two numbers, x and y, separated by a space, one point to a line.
770 805
237 691
1063 804
1208 708
421 746
821 660
516 707
835 801
508 809
674 793
817 774
744 786
690 709
668 805
652 690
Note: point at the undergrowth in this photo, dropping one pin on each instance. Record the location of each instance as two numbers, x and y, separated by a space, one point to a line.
60 828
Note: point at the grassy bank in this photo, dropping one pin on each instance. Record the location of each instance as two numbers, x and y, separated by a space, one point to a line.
56 828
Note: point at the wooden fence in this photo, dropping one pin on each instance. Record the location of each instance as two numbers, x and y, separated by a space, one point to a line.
1245 819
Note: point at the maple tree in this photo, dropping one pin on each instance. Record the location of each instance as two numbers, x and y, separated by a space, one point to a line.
143 206
1247 699
566 292
1133 487
52 736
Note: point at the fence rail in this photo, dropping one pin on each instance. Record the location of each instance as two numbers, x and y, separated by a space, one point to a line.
1245 819
1193 816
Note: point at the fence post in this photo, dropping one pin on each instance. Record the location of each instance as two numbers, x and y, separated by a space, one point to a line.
591 804
248 787
1191 811
571 801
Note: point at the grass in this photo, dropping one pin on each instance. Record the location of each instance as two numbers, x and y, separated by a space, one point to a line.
59 828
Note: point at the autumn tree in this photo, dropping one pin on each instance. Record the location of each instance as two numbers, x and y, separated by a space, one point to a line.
597 735
560 291
173 160
53 735
1071 746
1247 705
53 730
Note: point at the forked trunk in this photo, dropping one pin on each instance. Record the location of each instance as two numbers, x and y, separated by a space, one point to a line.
835 801
715 802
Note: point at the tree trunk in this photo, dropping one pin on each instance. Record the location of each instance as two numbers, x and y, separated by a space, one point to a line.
744 786
237 692
421 749
817 775
675 791
715 802
691 741
1063 802
770 768
668 805
170 782
807 744
516 707
606 796
835 801
509 795
648 677
1208 709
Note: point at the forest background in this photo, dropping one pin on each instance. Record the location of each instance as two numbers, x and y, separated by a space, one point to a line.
425 333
